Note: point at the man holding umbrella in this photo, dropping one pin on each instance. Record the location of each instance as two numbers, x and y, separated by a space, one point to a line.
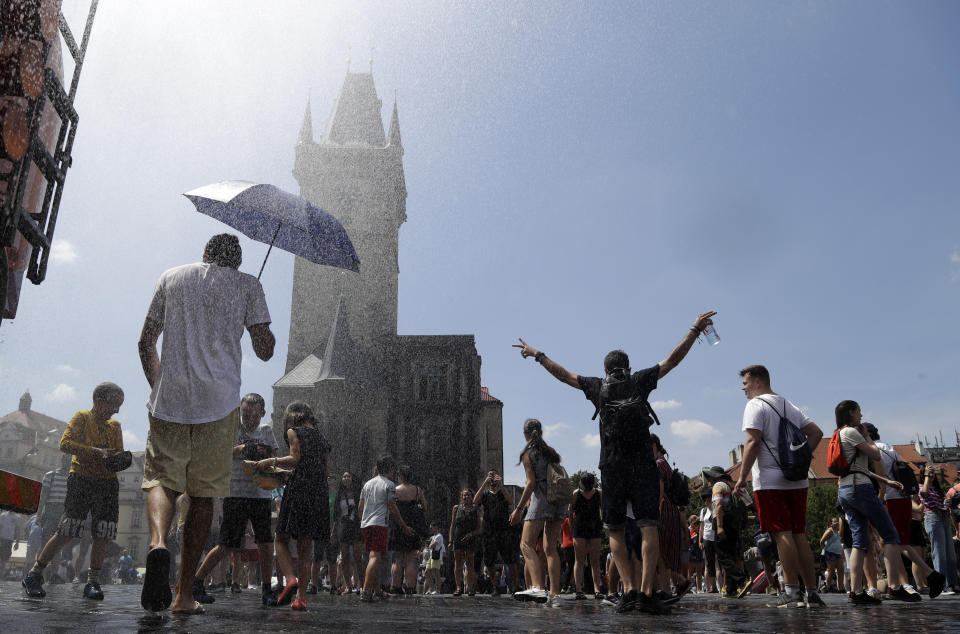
202 310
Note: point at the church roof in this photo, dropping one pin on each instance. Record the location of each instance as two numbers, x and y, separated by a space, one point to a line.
337 358
356 118
34 421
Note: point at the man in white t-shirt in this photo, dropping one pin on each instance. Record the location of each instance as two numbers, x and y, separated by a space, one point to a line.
202 310
378 498
781 503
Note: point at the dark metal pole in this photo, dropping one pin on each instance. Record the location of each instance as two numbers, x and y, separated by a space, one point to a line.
279 224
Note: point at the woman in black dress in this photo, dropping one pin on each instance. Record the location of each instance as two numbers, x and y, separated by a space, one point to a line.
587 532
465 528
413 507
304 510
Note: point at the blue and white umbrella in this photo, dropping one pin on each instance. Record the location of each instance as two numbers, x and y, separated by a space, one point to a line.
270 215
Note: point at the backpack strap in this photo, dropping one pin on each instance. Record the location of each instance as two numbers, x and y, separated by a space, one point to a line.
763 440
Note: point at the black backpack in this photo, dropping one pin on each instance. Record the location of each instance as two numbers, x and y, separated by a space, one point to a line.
793 451
621 406
902 473
678 489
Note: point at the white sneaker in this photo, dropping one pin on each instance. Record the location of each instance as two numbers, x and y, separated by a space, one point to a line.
554 601
947 592
873 592
538 595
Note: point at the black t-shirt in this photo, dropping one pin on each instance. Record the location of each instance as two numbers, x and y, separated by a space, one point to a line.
496 511
619 445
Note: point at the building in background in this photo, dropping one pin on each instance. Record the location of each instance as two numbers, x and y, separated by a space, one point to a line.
416 397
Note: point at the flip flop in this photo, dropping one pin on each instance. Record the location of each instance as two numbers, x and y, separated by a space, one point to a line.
197 609
156 595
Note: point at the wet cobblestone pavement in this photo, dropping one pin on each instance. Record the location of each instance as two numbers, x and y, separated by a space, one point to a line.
64 610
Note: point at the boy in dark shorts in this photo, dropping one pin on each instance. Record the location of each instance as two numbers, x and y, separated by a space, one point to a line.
627 467
91 437
247 502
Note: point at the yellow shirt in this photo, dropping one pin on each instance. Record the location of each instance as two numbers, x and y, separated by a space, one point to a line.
83 435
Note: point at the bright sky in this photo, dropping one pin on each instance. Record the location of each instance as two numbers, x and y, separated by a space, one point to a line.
585 175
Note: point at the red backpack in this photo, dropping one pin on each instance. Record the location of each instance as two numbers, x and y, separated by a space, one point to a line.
836 463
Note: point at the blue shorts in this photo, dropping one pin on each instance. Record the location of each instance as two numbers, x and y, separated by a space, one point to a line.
637 483
862 508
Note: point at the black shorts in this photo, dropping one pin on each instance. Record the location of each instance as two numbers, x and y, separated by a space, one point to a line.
502 543
637 483
97 496
917 537
325 550
236 513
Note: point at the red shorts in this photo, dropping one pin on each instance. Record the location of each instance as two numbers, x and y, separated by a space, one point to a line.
250 555
900 510
782 510
375 538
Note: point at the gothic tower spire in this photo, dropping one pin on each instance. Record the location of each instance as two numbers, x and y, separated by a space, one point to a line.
306 130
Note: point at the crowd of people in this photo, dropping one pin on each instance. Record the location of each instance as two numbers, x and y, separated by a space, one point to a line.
285 514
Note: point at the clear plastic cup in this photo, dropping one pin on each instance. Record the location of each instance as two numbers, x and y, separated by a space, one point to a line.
711 334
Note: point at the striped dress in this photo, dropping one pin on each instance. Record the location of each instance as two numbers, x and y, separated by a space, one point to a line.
671 528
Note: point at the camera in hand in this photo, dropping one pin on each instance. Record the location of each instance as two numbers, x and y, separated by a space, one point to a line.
256 451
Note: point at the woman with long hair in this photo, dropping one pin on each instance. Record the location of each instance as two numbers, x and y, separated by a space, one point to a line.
672 529
466 526
863 509
304 510
406 548
348 532
542 520
587 532
936 521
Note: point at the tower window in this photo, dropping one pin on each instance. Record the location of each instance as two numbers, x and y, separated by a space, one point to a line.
432 383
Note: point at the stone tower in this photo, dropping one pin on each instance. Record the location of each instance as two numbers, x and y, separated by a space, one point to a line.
416 397
354 172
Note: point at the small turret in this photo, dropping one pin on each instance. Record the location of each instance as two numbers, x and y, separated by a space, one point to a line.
25 402
394 134
306 130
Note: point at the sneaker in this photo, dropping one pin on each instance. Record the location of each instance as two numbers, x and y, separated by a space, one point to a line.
785 600
92 591
627 602
864 599
873 592
199 594
947 592
815 601
579 596
554 601
666 599
651 605
299 605
611 599
598 596
936 582
537 595
235 588
33 585
904 593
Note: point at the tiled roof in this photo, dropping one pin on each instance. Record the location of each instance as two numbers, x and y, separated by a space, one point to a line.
485 395
34 421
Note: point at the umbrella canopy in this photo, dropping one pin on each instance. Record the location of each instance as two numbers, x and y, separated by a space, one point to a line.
270 215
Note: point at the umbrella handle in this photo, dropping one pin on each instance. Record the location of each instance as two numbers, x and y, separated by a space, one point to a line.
269 249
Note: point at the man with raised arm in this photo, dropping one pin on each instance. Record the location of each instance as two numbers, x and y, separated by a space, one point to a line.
627 468
202 310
